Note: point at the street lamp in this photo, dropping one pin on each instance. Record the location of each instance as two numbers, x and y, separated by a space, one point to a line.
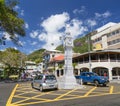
89 51
89 47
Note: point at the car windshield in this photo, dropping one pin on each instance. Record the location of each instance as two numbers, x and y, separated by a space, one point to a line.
50 77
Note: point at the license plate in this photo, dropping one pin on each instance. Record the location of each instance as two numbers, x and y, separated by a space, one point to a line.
51 85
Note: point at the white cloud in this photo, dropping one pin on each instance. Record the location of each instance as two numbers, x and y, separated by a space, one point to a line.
22 13
42 36
34 34
91 22
103 15
26 26
16 8
15 48
52 27
34 43
21 43
107 14
55 22
7 36
82 10
77 28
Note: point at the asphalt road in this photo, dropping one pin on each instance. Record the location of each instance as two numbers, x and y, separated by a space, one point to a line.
25 94
112 100
5 91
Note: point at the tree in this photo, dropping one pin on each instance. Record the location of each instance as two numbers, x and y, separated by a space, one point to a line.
9 20
13 60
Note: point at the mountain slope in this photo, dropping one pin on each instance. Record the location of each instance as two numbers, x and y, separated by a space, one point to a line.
36 55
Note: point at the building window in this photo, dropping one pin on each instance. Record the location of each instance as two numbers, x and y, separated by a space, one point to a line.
94 58
97 40
86 59
112 57
113 42
81 60
103 57
118 57
113 33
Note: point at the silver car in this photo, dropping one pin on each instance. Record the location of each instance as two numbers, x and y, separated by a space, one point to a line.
44 81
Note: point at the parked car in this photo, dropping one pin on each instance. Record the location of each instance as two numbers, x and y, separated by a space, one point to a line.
44 81
90 77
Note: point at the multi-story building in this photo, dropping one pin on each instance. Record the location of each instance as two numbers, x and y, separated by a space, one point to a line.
107 37
40 67
48 55
30 67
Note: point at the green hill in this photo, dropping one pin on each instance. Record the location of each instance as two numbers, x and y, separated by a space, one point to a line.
80 45
36 55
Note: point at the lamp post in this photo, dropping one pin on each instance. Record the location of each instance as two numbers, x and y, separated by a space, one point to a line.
89 47
89 51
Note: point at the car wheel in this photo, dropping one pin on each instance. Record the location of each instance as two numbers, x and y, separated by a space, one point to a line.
41 88
85 83
96 83
105 85
56 88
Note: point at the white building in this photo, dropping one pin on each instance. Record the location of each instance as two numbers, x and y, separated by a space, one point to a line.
107 37
40 67
30 67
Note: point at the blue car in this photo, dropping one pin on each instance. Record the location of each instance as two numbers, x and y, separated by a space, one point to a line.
90 77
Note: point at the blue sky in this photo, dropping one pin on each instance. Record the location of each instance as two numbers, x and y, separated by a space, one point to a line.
46 20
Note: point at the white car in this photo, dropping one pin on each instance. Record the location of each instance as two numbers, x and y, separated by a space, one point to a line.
44 81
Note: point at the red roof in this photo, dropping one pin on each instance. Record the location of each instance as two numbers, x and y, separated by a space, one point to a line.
58 58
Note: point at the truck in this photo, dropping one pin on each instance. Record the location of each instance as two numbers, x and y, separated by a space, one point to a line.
91 77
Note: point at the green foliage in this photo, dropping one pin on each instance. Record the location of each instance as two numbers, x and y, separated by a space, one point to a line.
80 45
9 20
74 64
13 60
60 48
36 56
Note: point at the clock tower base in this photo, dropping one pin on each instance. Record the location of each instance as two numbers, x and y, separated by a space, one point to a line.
68 81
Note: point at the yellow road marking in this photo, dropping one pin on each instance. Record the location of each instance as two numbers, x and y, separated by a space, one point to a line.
11 96
90 91
64 94
23 104
59 98
33 98
25 92
111 89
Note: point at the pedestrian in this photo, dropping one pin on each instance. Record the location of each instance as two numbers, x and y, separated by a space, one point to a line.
105 74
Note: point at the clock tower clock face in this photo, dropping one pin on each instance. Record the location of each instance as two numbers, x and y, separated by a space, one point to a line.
69 41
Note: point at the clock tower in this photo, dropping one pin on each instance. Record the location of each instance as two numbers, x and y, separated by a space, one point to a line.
69 78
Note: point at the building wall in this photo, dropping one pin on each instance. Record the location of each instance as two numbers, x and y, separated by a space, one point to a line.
108 38
30 66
